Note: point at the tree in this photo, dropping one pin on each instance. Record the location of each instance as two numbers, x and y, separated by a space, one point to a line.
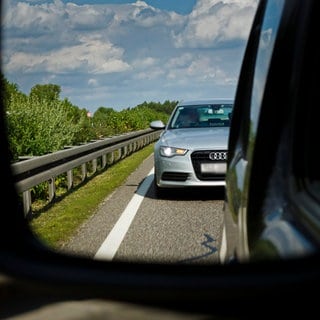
10 90
49 92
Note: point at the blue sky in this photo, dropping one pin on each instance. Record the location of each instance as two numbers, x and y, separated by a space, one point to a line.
121 53
179 6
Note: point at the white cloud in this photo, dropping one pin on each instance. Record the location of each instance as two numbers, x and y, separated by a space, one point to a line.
26 17
93 82
213 23
91 56
144 62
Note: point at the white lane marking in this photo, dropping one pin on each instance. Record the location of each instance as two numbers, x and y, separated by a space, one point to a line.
112 243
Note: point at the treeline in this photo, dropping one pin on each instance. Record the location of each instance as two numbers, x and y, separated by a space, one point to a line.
42 122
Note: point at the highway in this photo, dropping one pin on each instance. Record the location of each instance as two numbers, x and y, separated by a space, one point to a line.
132 224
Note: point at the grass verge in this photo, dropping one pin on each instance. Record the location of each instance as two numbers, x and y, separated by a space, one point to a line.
55 226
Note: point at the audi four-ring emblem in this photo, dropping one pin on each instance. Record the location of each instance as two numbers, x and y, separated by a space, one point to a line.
218 155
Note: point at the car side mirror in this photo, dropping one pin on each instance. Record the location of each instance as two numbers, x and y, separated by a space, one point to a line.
157 125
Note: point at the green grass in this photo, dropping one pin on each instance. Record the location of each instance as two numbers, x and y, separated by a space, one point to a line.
57 224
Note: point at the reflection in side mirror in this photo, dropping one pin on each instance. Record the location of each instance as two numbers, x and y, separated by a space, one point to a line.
157 125
180 227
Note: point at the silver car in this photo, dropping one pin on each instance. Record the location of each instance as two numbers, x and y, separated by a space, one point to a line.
192 149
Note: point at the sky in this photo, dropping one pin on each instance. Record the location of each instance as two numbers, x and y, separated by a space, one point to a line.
119 53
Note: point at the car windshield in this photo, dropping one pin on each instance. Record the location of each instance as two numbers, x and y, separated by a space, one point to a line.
196 116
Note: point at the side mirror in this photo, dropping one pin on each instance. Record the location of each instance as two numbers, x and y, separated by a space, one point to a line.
157 125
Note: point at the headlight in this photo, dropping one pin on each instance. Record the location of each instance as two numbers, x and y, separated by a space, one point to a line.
172 151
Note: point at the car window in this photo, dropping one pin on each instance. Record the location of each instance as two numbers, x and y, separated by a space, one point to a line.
216 115
281 149
245 121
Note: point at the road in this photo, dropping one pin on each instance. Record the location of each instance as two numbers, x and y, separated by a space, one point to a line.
132 224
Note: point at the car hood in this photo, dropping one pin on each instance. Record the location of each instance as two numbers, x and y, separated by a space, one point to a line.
200 138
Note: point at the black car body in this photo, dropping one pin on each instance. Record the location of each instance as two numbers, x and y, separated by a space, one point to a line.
272 208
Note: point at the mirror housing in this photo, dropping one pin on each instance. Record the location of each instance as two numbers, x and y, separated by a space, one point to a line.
157 125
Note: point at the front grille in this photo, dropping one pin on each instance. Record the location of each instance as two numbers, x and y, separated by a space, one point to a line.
208 156
174 176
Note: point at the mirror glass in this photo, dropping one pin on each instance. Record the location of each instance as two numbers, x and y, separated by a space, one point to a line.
82 78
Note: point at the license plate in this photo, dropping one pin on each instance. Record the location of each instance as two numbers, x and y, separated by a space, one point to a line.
216 168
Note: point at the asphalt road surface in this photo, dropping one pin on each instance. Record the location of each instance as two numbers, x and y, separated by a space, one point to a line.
132 224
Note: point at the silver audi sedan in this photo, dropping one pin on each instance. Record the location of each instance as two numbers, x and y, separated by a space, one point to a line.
192 149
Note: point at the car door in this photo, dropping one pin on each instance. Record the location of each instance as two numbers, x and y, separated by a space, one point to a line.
259 219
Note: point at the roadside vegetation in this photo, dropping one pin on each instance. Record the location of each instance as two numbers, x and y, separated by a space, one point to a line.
41 122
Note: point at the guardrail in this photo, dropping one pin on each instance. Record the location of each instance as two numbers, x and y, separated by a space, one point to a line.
32 172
